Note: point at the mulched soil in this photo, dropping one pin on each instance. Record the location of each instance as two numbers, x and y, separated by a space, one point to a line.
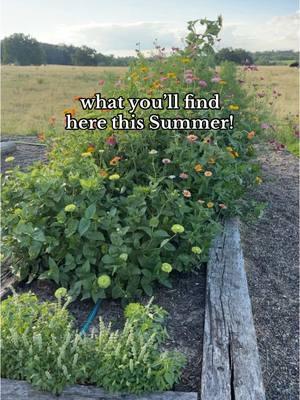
271 250
25 154
185 302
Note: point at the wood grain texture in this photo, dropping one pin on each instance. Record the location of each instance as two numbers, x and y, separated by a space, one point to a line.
7 147
231 366
20 390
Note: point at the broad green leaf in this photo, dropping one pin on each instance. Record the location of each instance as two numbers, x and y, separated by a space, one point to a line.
84 225
90 211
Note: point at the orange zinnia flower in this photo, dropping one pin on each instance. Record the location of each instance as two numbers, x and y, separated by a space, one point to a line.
103 173
71 111
115 160
52 120
91 148
251 135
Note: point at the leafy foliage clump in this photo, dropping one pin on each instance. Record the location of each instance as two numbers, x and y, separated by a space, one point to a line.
39 344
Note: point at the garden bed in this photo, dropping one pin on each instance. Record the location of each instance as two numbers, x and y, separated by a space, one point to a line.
185 301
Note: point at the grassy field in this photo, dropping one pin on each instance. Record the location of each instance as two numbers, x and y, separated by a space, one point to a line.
282 79
31 95
285 106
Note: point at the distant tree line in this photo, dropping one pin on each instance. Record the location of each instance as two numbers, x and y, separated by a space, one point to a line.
22 49
242 57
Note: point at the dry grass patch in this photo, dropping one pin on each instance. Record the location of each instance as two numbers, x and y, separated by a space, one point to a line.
30 95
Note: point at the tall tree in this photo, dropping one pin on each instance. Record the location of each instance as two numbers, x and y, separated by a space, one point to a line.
21 49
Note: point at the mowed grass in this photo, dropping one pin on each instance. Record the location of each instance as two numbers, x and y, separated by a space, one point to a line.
31 95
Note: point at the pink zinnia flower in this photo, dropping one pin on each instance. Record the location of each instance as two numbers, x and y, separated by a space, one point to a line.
111 140
192 138
216 79
189 80
166 161
183 175
202 83
265 126
101 82
186 193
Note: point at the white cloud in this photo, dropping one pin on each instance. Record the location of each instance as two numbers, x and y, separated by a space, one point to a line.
122 38
277 33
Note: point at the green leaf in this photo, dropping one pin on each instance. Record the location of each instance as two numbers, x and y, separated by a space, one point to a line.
90 211
117 292
38 235
34 249
71 228
107 259
84 225
53 270
160 234
164 242
146 286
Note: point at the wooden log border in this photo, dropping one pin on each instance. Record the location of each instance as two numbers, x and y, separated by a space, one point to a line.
7 147
20 390
231 367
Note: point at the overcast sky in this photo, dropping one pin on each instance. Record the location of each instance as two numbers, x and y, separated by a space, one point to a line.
115 26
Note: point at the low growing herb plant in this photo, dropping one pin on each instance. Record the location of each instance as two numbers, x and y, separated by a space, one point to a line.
99 218
39 344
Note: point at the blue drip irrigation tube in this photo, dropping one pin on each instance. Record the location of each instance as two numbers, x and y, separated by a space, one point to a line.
90 318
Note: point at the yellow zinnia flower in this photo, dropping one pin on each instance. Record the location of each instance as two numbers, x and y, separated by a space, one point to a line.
114 177
198 168
234 107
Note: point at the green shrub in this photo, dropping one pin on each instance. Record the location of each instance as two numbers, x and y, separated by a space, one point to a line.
40 345
106 203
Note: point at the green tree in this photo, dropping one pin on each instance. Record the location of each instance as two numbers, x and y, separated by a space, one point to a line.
84 56
238 56
21 49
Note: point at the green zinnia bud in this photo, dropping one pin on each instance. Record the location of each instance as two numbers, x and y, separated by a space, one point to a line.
104 281
70 208
166 267
60 292
123 256
196 250
177 228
